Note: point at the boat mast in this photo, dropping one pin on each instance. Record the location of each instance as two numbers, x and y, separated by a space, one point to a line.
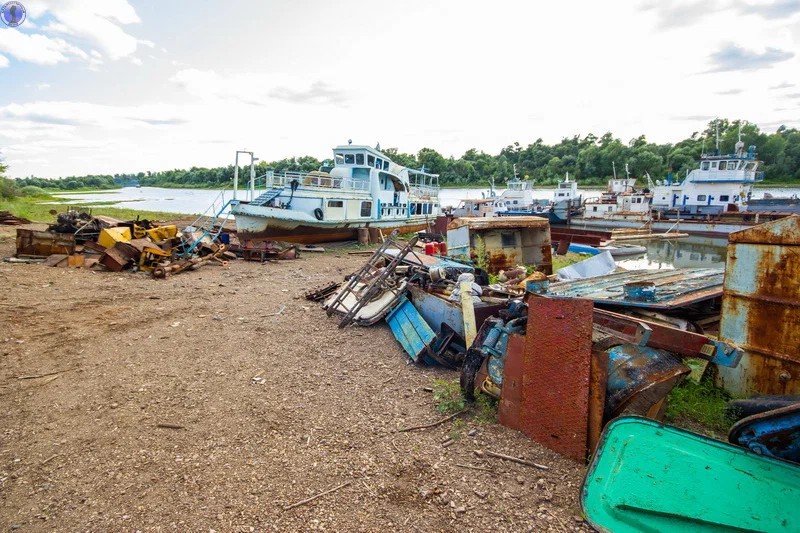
614 168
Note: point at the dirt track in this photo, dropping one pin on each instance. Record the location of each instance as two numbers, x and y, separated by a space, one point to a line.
119 354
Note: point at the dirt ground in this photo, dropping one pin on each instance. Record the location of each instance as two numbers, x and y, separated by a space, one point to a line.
92 362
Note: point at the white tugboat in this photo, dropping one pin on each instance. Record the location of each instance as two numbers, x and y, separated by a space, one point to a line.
722 183
363 189
621 202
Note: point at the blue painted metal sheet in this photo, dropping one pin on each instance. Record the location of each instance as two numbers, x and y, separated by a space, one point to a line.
411 331
673 288
647 476
775 433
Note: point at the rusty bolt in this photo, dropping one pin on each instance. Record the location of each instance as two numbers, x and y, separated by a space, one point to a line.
785 376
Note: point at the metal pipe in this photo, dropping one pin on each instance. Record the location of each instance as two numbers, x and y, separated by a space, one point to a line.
236 176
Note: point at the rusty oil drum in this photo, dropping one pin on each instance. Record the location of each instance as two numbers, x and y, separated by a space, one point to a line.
639 377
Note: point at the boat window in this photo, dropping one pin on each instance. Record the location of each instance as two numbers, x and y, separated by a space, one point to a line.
366 209
349 159
335 203
385 165
379 163
339 159
701 197
371 160
359 159
721 165
750 166
594 209
609 209
508 240
515 202
713 165
704 166
724 197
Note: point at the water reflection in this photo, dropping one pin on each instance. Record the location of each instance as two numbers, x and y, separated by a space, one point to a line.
689 252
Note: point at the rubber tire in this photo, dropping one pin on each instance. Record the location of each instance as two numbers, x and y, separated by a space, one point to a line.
318 213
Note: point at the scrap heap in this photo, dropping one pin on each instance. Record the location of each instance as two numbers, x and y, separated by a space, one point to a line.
577 363
80 239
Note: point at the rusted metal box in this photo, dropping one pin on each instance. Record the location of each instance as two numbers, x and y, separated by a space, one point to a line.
761 308
31 243
508 241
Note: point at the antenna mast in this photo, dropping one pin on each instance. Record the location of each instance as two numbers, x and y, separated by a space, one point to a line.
614 168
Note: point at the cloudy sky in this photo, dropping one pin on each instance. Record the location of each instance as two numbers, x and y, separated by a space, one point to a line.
105 86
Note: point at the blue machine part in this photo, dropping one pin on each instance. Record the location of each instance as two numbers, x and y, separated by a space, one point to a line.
496 344
775 433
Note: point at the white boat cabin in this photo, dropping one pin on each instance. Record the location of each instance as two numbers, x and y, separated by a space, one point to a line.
620 199
567 191
519 195
483 207
722 183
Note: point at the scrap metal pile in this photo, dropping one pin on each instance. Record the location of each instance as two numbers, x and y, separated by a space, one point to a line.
80 239
574 363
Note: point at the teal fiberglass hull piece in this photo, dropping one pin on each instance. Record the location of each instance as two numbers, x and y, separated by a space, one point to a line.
648 477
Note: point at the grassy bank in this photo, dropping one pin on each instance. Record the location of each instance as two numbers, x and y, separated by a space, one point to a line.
38 209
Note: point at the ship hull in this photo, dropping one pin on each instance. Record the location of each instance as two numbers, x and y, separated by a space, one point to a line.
692 227
256 228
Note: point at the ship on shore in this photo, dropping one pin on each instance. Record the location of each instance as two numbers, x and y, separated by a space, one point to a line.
363 188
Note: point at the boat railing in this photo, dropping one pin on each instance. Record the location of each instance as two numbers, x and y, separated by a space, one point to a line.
320 180
424 190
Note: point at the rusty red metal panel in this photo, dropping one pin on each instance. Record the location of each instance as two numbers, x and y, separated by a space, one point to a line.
556 374
511 394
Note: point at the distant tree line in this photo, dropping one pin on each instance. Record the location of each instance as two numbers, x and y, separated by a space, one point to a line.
589 159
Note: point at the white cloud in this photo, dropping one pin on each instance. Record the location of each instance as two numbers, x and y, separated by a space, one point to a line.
37 48
97 21
42 86
3 61
136 61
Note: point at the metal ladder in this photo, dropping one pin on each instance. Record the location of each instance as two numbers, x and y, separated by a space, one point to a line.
268 196
212 221
372 276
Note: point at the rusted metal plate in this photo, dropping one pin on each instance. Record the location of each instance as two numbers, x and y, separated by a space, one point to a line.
761 308
598 382
511 393
499 222
556 374
32 243
673 288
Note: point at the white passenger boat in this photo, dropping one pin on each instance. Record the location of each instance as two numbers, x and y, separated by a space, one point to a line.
363 189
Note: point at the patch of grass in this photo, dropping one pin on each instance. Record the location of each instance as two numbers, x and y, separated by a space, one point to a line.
700 403
560 261
447 396
34 209
481 255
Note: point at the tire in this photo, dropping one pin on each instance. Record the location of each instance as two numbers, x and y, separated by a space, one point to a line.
318 213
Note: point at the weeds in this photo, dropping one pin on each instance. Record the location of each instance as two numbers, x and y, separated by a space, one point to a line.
487 409
570 258
447 396
481 255
701 403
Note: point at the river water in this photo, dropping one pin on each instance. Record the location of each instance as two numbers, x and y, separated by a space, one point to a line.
689 252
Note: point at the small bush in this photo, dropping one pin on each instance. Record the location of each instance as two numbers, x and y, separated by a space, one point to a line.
447 395
33 191
8 189
701 403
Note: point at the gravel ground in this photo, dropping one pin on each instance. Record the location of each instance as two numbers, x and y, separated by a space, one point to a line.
91 363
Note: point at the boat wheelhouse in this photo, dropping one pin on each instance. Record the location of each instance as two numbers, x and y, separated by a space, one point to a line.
362 189
723 182
620 201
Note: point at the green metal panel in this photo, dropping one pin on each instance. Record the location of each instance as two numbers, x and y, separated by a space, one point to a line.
646 476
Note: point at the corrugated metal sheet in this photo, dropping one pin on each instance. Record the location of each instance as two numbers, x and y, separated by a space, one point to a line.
674 288
761 308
